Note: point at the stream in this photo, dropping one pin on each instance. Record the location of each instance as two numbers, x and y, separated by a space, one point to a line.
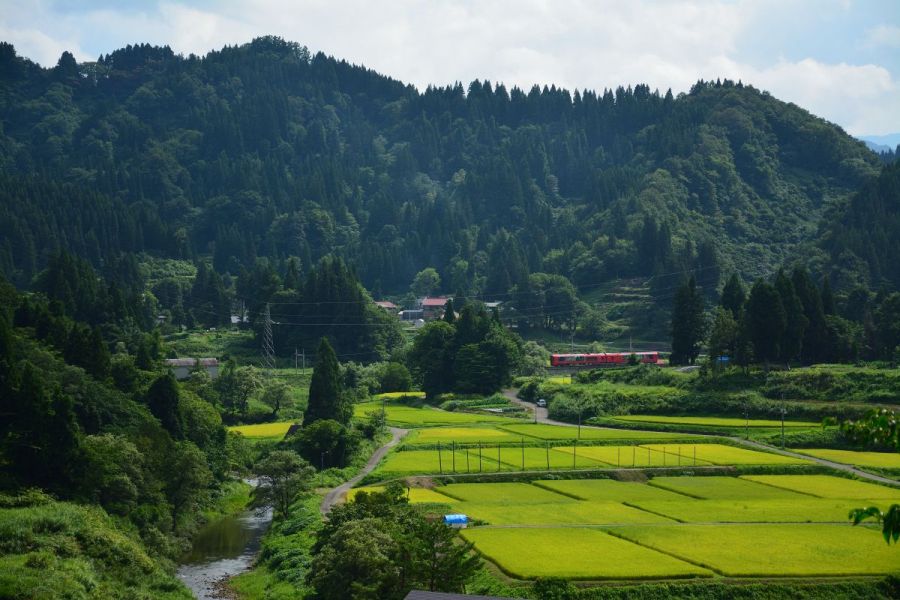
222 549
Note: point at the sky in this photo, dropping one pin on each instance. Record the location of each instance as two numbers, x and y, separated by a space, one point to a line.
840 59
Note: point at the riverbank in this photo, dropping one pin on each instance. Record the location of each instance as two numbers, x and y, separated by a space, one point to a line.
226 545
280 568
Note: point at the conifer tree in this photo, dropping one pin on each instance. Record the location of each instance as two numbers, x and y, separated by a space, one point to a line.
795 320
688 326
733 296
449 313
162 400
326 397
766 321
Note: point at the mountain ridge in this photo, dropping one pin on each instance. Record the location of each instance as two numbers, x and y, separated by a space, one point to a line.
265 150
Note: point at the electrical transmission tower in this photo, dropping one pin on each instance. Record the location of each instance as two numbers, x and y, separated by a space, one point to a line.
268 346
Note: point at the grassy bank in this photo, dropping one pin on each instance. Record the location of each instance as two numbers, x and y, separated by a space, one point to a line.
51 549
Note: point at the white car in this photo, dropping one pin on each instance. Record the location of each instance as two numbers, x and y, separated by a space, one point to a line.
542 403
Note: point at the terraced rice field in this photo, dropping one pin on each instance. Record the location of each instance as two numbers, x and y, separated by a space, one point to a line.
724 488
808 510
640 456
538 458
608 490
574 554
395 395
672 527
720 454
713 421
560 432
570 513
767 550
503 493
460 435
878 460
414 495
263 430
434 461
423 417
826 486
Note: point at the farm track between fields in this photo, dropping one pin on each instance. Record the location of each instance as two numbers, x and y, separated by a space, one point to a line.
542 417
334 495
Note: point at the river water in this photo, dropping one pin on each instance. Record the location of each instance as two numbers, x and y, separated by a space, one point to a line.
221 549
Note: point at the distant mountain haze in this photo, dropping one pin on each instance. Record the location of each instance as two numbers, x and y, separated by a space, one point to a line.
264 150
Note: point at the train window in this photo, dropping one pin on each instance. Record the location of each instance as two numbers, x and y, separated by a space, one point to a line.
579 358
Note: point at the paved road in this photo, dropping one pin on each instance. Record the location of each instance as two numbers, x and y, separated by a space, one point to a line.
542 417
332 497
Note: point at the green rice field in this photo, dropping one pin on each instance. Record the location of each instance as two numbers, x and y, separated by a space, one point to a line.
772 550
713 421
808 510
409 416
720 454
878 460
571 513
671 527
414 495
503 493
574 554
561 432
433 461
724 488
640 456
460 435
826 486
609 490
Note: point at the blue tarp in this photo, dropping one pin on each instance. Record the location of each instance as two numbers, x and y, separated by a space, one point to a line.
456 519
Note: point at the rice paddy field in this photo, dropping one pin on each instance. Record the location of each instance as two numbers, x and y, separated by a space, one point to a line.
588 554
263 430
772 550
826 486
408 416
724 488
713 421
459 435
515 457
672 527
878 460
559 432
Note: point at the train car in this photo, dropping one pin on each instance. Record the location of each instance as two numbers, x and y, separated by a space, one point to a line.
602 359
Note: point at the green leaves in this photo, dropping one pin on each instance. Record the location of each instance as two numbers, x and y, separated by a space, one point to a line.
889 520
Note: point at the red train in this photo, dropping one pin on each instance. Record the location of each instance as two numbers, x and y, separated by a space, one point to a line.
603 359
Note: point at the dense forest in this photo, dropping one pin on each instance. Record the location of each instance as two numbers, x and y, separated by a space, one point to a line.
266 151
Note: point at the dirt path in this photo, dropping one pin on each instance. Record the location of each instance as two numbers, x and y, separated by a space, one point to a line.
332 497
542 417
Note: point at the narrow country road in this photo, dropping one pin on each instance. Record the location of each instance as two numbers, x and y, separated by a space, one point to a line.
332 497
512 395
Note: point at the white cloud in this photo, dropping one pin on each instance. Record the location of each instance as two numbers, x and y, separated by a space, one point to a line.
884 35
576 43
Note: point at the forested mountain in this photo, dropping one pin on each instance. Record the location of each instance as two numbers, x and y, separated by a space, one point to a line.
862 237
265 150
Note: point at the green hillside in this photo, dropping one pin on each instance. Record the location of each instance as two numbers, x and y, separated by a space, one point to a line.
264 150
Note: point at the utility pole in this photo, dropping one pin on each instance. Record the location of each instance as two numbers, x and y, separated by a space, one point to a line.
783 412
303 358
747 418
268 347
296 355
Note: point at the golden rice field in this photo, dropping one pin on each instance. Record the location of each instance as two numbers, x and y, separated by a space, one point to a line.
263 430
878 460
672 527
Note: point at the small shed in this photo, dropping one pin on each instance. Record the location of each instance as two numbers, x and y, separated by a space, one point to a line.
457 521
182 367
